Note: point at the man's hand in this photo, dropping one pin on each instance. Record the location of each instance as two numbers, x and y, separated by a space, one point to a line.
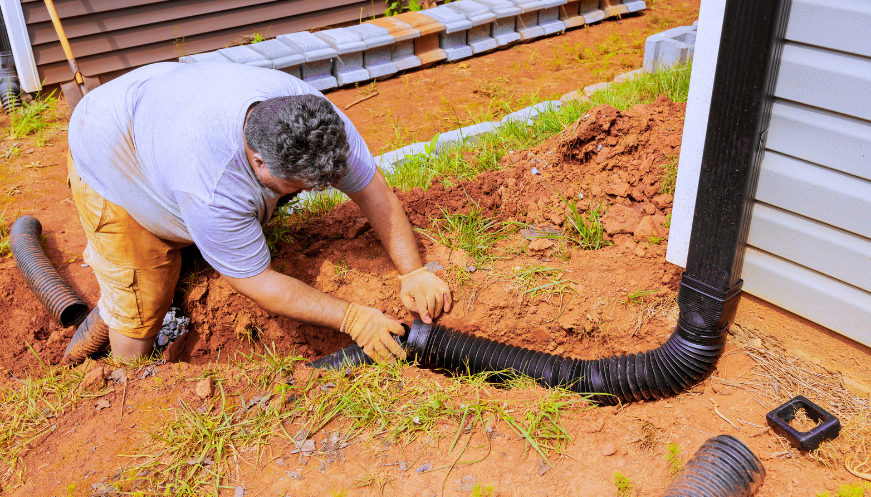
371 329
425 293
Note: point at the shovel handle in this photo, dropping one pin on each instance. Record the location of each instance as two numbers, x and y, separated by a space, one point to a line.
64 43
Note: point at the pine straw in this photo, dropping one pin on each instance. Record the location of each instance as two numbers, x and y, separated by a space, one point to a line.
663 306
778 377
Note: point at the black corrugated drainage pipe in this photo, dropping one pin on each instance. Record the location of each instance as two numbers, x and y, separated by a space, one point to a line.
744 81
722 467
10 87
53 292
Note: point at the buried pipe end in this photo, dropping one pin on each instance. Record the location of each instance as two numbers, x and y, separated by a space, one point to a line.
722 467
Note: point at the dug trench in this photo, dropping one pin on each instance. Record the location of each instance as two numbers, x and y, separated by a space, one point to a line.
542 293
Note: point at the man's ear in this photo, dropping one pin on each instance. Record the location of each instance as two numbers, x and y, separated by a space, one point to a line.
258 161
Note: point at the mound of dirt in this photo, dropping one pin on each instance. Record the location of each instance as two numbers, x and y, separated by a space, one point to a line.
608 157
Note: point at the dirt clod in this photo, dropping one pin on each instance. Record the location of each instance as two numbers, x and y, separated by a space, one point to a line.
205 388
608 450
94 380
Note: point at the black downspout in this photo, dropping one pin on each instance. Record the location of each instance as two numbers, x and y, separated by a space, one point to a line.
10 87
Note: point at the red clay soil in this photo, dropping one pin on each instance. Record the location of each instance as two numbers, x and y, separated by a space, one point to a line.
608 156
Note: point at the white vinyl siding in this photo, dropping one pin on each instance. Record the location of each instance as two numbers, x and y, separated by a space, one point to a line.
809 247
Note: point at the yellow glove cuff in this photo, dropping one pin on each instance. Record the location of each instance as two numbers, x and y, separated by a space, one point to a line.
403 277
350 316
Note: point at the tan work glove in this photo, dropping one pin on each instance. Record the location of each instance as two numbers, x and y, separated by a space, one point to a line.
425 293
371 329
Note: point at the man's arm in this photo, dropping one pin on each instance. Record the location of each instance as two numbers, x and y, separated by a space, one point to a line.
421 292
286 296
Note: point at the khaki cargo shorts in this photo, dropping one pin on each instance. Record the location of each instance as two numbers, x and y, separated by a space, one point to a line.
137 272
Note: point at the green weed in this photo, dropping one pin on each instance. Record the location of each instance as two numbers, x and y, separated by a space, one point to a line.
474 233
33 117
322 203
623 484
4 235
11 151
637 297
667 223
585 228
669 174
672 456
278 229
485 491
850 490
654 240
534 280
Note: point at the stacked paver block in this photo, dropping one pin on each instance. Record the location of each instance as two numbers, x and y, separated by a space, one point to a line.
318 68
527 21
244 55
591 11
635 5
453 39
505 26
203 57
478 37
281 55
426 46
376 57
348 67
613 8
402 50
548 17
669 48
570 15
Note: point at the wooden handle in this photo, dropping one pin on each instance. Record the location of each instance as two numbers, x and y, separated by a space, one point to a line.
60 31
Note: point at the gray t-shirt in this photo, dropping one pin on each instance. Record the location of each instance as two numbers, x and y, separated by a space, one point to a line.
165 143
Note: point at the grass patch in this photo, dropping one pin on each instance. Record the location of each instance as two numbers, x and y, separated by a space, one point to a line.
672 457
669 174
474 233
461 161
637 297
279 227
623 485
33 117
4 236
535 280
585 228
850 490
322 202
28 409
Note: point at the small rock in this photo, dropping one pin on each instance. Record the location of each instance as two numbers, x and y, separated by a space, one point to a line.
433 266
471 269
30 151
540 244
534 171
240 491
94 380
599 425
465 484
205 388
403 465
294 475
102 404
639 251
543 467
608 450
424 468
716 387
279 462
118 376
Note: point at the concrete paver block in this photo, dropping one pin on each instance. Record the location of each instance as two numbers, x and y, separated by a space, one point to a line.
589 90
426 47
453 39
666 49
613 8
478 37
244 55
467 133
349 62
574 95
636 5
376 58
399 30
549 20
318 68
530 113
591 11
626 76
527 26
570 15
387 162
204 57
504 29
402 54
311 46
402 50
281 54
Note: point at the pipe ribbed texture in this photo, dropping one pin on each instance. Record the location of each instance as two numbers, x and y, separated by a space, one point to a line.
722 467
10 87
41 276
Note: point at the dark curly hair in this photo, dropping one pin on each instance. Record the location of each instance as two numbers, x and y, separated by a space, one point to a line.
300 137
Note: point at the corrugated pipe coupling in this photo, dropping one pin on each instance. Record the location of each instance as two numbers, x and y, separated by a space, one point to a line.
722 467
686 357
